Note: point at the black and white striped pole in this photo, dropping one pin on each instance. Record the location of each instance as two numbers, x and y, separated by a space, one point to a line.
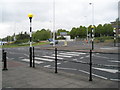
114 31
30 49
92 35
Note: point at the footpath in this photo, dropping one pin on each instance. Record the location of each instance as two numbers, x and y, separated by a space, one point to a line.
20 75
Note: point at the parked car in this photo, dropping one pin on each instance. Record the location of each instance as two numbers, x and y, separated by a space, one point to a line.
53 41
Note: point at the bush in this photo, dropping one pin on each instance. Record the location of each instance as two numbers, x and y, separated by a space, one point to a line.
21 41
102 39
61 38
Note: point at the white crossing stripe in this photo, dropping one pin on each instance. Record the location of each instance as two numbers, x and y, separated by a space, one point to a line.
81 57
107 70
44 59
63 56
47 65
71 54
76 52
114 61
53 57
28 60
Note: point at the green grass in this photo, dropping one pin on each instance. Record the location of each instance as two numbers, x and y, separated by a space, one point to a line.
24 45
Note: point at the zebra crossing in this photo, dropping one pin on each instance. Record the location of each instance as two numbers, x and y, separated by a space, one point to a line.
51 58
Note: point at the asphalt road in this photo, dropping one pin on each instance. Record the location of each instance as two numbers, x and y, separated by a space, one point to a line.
104 66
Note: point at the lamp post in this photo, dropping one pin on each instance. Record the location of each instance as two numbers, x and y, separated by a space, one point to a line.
114 31
30 17
53 22
92 27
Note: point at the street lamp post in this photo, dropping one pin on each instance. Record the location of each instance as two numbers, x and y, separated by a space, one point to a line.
30 17
114 31
53 22
92 27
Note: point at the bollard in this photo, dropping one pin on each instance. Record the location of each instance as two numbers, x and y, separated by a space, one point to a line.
33 58
2 55
5 61
90 78
55 60
30 56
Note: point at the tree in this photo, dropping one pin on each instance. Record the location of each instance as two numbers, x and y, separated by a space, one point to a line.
99 30
41 35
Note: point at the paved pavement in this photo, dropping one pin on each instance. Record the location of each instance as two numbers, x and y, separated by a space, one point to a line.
20 75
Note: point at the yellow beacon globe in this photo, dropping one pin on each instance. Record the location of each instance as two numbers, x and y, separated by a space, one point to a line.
30 15
92 26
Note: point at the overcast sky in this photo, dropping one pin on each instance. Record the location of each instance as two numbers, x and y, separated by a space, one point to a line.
68 14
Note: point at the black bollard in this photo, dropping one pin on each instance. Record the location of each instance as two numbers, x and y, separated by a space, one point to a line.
90 78
33 58
2 55
30 56
4 61
55 60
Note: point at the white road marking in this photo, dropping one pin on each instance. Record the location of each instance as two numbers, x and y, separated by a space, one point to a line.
21 57
115 79
88 56
111 65
7 57
58 63
107 70
93 74
64 68
76 52
26 55
114 61
28 60
44 59
81 57
63 56
52 57
71 54
47 65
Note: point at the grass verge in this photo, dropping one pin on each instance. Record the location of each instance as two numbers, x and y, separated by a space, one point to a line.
23 45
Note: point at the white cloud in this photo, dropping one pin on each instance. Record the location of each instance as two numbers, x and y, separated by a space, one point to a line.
68 14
